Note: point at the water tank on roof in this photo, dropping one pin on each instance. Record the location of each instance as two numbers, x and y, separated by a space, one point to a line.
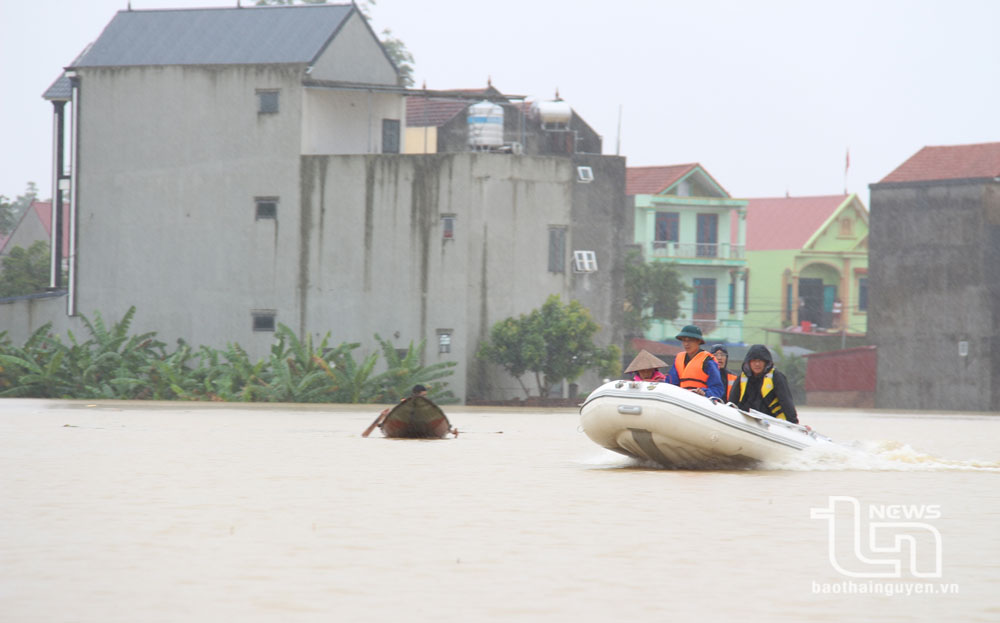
485 125
554 113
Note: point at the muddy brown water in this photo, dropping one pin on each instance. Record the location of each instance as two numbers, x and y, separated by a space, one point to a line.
178 512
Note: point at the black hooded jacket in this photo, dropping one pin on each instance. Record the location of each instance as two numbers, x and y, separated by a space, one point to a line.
753 399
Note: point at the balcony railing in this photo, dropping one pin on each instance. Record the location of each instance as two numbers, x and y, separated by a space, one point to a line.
724 251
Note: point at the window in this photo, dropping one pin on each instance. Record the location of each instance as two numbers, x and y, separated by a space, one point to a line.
267 208
557 249
448 227
263 319
584 174
267 102
732 297
584 262
708 235
846 227
667 228
704 298
390 136
863 294
444 340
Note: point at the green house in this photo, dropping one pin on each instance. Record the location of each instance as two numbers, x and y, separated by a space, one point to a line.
683 216
808 271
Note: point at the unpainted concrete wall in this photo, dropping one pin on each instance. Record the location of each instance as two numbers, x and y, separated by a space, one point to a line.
933 283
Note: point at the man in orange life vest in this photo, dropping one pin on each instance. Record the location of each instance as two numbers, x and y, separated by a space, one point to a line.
694 368
722 358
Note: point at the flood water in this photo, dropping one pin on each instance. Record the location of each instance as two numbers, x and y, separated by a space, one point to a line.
179 512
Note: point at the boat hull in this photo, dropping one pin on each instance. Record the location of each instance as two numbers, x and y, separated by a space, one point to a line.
416 418
676 428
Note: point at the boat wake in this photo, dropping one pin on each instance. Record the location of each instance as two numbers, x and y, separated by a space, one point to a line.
850 456
867 455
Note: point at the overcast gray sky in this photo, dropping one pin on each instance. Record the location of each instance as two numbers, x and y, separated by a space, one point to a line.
767 95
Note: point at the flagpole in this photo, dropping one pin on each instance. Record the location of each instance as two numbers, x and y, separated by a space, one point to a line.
847 165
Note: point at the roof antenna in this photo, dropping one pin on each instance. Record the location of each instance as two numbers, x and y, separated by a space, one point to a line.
129 5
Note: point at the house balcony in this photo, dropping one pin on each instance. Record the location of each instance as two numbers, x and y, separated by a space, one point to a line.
697 252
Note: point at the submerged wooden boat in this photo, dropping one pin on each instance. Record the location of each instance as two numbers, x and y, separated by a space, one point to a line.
416 418
677 428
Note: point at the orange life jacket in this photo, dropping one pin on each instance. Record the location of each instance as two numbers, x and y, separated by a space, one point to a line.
692 375
730 381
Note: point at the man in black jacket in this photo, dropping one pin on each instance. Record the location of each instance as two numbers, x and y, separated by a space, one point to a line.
762 388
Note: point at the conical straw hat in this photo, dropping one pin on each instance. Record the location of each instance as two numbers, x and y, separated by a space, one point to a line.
644 361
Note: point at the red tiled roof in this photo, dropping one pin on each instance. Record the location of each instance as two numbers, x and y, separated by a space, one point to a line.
422 111
43 211
949 162
787 222
654 180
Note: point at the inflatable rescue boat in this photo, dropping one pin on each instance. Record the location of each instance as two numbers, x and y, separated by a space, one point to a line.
677 428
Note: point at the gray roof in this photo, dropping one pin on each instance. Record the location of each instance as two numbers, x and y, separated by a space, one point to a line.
61 89
236 36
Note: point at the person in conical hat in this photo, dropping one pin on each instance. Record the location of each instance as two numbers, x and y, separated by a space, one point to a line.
645 367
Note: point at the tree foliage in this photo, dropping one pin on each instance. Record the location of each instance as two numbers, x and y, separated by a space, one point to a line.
652 291
400 55
554 342
25 271
11 211
114 364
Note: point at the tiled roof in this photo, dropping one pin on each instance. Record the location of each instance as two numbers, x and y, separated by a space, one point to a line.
422 111
949 162
225 36
654 180
787 222
42 210
61 89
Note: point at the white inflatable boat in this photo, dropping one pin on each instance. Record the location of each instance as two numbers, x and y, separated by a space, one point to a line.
677 428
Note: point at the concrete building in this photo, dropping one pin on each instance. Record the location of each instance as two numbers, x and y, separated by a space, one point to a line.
935 287
232 169
445 121
806 255
683 216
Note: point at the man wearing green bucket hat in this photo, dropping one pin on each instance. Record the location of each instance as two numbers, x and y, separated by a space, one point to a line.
694 368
